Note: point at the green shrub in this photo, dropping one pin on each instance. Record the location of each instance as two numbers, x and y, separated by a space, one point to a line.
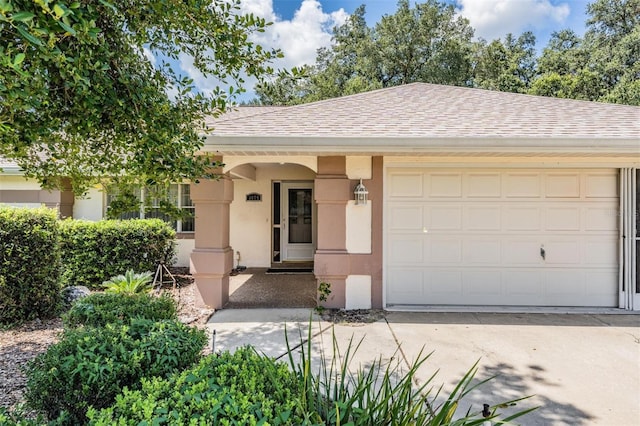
129 283
89 367
93 252
100 309
242 388
29 264
18 417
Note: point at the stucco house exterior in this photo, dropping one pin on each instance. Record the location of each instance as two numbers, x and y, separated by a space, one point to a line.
475 198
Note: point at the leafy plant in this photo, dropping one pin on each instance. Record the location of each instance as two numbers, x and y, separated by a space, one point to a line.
93 252
324 290
29 264
382 393
239 388
89 367
129 283
100 309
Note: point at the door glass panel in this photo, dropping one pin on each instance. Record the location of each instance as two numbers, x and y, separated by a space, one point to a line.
276 245
300 223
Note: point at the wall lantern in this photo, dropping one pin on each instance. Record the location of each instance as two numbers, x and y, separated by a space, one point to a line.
360 194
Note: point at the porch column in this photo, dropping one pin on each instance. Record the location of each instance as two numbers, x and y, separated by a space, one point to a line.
212 257
331 261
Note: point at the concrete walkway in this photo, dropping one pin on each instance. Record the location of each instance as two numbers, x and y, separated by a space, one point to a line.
582 369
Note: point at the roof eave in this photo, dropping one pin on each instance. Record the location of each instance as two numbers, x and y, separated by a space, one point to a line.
421 145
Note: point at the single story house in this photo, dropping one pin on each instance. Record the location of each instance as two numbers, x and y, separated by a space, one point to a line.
474 198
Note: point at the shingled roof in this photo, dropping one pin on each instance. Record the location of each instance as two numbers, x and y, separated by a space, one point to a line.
421 116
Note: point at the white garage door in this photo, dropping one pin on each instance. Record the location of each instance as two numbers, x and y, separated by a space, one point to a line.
501 237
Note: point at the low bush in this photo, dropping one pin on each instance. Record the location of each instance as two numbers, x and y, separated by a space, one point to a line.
29 264
242 388
100 309
93 252
90 366
129 283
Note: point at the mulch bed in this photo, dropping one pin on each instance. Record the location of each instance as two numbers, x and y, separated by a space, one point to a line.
23 343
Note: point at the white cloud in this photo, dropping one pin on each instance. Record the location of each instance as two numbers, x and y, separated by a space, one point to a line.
299 38
495 18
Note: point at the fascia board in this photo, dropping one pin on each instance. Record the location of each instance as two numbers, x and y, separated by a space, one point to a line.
403 145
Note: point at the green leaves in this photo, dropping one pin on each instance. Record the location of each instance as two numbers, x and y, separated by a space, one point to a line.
29 264
23 16
87 102
429 42
90 366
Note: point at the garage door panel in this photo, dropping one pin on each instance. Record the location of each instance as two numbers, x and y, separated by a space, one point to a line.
443 286
598 253
445 218
484 185
445 185
562 185
481 251
602 285
522 218
523 285
406 217
563 286
406 250
523 185
406 185
601 185
601 218
521 252
562 218
408 285
483 287
483 218
474 238
444 251
559 252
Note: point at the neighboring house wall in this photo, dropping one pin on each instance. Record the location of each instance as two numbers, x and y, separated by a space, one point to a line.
18 191
90 207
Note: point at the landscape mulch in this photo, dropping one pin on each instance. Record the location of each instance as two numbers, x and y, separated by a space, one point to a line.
23 343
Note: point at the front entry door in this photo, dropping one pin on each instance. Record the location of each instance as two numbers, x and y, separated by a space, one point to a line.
297 221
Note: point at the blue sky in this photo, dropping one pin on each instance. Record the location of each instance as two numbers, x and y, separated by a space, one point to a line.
302 26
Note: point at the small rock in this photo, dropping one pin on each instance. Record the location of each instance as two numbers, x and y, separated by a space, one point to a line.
73 293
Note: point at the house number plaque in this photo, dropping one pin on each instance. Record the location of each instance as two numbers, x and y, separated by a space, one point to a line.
254 196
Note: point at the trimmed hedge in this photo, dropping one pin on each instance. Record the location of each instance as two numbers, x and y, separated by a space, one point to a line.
242 388
100 309
90 366
29 264
93 252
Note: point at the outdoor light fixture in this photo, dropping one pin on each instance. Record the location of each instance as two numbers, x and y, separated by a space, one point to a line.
360 194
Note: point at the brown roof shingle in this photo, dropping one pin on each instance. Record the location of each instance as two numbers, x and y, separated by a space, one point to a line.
422 110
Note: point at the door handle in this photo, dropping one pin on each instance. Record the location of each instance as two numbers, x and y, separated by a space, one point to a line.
543 253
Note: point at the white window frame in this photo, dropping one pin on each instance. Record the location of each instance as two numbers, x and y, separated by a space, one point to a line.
178 224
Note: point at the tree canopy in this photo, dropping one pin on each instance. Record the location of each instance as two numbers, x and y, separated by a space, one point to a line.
430 43
88 88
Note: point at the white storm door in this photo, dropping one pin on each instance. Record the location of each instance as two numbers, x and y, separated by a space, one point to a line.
297 221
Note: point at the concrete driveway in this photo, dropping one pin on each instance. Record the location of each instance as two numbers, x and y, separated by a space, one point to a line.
581 369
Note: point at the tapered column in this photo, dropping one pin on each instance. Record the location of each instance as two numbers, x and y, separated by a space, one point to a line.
212 257
331 261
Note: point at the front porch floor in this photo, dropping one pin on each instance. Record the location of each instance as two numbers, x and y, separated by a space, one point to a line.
254 288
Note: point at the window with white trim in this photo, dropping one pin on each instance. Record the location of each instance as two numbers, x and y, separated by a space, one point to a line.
150 206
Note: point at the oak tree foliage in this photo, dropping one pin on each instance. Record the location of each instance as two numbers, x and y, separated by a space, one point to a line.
88 88
429 42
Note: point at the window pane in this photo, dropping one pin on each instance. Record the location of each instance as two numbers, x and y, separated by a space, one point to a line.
185 199
188 225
